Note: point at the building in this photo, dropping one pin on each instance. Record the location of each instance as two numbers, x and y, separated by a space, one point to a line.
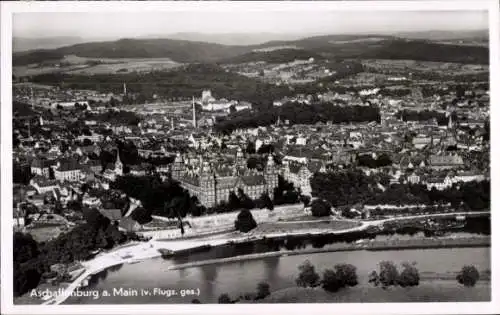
43 185
213 182
68 170
42 167
300 174
443 162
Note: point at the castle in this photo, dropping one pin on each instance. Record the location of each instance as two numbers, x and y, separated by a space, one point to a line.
213 181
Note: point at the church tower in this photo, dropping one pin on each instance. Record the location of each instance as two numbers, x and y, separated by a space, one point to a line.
118 164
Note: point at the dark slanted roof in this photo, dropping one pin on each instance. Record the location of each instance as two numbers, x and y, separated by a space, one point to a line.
69 165
42 163
112 214
129 224
295 167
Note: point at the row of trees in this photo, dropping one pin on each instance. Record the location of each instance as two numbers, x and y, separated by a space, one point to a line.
368 161
410 115
343 187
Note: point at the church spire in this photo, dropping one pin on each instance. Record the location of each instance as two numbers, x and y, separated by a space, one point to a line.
118 164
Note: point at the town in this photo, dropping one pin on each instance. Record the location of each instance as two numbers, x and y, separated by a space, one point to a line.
128 165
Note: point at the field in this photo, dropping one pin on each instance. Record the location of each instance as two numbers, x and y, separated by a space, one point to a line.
414 65
428 291
82 65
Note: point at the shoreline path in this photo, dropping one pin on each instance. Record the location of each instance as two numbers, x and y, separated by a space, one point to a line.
148 250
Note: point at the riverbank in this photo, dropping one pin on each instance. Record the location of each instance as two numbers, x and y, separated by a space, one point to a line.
147 250
392 245
427 291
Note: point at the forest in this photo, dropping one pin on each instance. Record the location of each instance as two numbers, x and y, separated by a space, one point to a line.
299 114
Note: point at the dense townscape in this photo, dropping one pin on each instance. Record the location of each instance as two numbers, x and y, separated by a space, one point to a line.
277 139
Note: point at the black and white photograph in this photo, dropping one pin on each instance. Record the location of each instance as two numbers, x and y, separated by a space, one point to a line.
264 155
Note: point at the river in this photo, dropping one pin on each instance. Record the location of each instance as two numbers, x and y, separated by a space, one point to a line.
241 277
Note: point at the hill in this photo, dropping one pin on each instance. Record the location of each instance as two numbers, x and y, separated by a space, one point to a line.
331 46
177 50
25 43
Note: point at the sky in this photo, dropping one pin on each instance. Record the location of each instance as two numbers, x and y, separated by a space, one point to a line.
127 24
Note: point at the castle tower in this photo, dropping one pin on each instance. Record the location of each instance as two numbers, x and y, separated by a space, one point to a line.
207 185
118 164
124 88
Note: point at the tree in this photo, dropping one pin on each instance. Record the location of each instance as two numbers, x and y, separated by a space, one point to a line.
308 277
346 274
331 281
409 276
234 201
250 147
265 202
320 208
342 276
224 299
263 290
468 276
305 200
374 278
245 221
388 274
141 215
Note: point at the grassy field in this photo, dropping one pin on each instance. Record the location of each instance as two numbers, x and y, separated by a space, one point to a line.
82 65
297 226
428 291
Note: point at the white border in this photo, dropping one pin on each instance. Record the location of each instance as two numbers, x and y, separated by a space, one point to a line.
7 8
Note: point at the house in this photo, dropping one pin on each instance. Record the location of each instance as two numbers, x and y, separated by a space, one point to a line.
468 177
443 162
68 170
41 167
137 170
440 183
43 185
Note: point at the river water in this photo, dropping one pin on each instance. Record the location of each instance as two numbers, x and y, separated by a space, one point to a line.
240 277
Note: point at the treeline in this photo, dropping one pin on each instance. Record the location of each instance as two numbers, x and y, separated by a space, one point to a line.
32 260
300 114
182 82
348 187
410 115
115 117
467 196
401 49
